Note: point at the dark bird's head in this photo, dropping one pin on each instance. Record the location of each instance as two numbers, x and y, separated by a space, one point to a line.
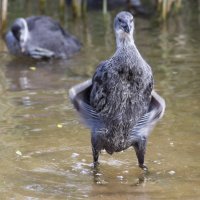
124 26
20 32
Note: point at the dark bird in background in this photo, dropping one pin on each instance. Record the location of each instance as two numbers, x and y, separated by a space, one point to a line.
139 8
119 103
136 5
40 37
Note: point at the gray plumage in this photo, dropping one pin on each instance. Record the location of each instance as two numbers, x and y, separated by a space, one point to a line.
118 105
40 37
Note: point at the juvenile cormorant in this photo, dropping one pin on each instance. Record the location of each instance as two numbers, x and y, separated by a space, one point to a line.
119 103
40 37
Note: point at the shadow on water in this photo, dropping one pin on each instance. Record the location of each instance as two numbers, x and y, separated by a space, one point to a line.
45 152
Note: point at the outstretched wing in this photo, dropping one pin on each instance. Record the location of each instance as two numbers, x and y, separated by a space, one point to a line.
79 96
100 84
146 123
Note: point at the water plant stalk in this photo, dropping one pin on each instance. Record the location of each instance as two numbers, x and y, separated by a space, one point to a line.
4 6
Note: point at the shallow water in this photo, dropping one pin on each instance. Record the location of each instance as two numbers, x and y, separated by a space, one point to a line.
44 149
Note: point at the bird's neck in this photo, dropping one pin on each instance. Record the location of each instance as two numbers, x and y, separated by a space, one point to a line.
124 41
126 47
24 33
24 37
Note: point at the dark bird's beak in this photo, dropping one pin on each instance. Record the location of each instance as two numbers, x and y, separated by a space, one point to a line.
126 28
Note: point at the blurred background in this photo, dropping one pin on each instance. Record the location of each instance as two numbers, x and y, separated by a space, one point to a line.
45 151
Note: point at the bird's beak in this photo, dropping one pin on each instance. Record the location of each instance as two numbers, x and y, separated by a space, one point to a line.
126 28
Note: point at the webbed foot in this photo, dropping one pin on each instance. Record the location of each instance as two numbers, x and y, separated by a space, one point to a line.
96 164
144 167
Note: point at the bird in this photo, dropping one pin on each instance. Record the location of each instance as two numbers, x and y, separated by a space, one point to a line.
138 8
119 103
40 37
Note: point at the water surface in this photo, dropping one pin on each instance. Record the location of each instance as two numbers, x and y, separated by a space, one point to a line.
45 151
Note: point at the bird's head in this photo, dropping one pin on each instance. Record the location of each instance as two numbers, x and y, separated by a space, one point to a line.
124 25
20 32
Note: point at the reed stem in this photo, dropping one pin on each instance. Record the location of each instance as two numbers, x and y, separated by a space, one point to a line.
4 7
105 7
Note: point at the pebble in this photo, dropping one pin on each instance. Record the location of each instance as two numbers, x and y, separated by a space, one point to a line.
171 144
19 153
59 125
171 172
74 155
120 177
32 68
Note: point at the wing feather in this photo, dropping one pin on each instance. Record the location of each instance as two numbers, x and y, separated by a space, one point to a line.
146 123
79 95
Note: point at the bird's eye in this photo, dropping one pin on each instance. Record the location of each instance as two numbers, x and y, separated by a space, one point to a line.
131 20
120 20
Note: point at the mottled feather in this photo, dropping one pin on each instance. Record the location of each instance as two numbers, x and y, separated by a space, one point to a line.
119 104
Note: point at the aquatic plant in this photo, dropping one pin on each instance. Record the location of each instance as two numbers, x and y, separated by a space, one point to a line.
79 7
165 7
3 16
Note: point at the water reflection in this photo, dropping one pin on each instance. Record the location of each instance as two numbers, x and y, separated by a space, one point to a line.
27 74
37 119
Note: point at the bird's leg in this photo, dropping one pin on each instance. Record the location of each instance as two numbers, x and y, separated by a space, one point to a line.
95 152
95 156
140 148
